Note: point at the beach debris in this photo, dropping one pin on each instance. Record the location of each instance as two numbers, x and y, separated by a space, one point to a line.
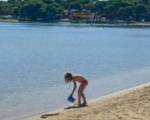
49 115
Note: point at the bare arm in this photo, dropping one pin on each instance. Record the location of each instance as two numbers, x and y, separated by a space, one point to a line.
74 88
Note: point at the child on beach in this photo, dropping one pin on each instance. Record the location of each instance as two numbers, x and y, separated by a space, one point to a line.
83 83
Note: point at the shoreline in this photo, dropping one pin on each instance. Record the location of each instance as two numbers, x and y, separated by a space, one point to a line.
131 24
98 100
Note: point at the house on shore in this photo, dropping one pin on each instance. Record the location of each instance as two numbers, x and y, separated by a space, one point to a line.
80 15
85 16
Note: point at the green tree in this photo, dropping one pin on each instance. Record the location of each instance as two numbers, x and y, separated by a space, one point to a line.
99 7
148 11
141 12
125 13
31 10
5 8
75 5
52 12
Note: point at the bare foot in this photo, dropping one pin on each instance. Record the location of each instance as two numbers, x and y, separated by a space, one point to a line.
83 105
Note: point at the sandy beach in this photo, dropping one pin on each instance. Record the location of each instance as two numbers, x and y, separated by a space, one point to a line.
130 104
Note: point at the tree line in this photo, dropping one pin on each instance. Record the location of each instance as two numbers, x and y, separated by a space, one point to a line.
55 10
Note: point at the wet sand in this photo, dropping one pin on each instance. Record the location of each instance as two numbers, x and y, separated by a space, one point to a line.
130 104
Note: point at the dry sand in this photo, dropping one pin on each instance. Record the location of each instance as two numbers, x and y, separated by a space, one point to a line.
131 104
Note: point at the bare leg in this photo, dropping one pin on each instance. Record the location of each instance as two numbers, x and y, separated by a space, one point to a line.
84 99
79 98
81 94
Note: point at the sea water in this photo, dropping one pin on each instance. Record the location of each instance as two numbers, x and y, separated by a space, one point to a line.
35 56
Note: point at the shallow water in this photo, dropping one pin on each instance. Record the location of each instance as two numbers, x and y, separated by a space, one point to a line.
34 57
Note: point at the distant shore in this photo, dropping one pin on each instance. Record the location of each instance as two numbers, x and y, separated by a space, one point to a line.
128 104
111 24
9 20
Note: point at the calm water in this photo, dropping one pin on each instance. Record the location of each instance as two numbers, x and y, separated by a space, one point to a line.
34 57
